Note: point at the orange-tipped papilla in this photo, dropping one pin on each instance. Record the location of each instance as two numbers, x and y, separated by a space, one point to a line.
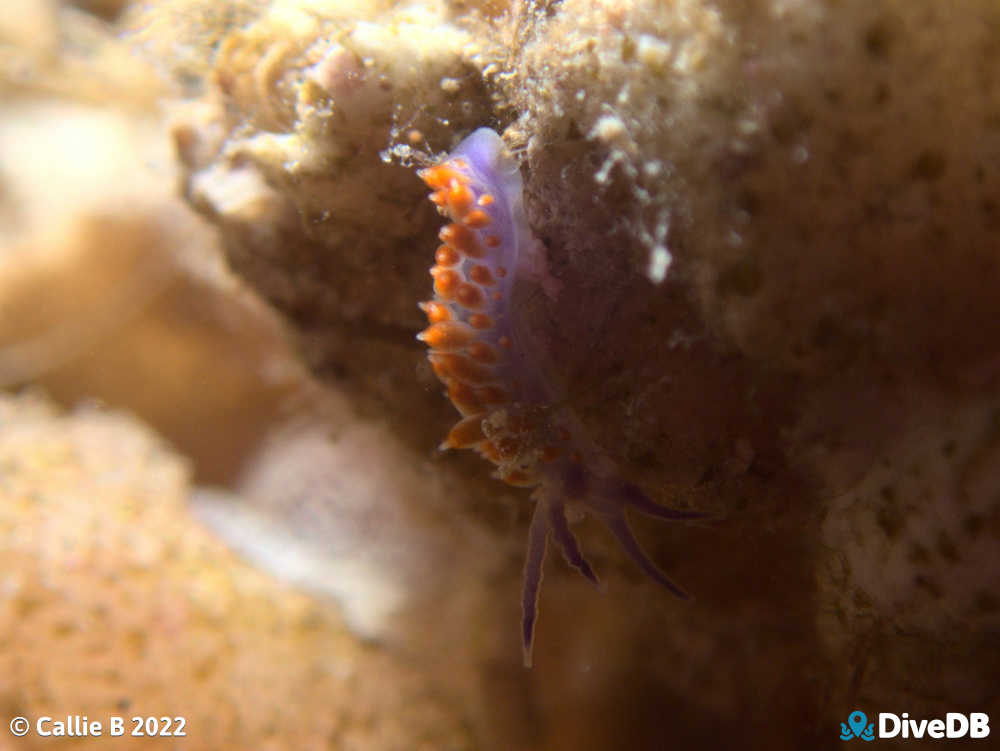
461 239
449 365
447 335
435 311
466 433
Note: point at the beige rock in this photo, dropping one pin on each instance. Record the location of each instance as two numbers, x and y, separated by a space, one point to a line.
117 602
769 236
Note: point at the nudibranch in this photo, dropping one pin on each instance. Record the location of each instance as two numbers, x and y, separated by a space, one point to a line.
513 413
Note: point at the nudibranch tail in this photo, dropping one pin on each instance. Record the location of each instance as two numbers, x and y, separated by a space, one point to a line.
512 413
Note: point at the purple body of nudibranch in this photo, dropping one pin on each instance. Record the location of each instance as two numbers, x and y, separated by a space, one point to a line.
499 377
493 172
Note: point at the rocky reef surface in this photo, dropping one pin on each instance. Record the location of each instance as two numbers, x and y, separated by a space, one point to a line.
771 293
117 602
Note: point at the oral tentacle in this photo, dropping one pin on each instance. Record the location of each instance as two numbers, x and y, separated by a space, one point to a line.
620 529
538 534
634 497
567 542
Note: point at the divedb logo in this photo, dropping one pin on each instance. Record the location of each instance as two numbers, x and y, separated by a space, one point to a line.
954 725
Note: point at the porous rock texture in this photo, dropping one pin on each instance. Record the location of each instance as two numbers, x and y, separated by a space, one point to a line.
772 231
115 599
117 602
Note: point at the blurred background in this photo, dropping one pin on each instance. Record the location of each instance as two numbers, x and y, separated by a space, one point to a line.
220 497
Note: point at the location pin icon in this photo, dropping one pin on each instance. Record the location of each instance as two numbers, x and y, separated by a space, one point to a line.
857 721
